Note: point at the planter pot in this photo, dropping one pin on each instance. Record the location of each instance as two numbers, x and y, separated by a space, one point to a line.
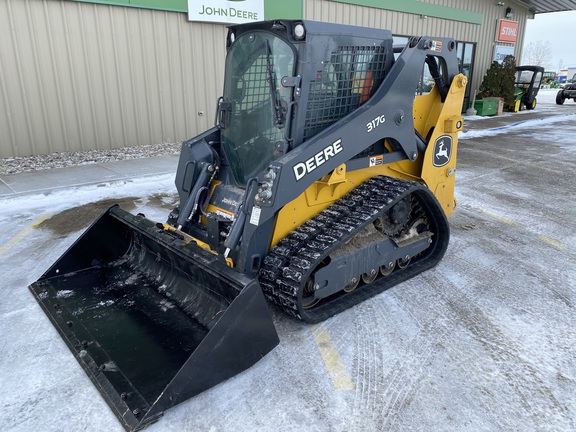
486 107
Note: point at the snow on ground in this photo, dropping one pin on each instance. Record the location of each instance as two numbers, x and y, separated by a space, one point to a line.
517 125
65 198
546 115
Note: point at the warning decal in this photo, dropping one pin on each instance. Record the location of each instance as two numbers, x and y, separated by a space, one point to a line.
436 46
376 160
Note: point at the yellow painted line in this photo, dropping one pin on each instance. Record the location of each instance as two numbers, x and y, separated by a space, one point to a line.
500 218
340 377
544 238
14 240
553 242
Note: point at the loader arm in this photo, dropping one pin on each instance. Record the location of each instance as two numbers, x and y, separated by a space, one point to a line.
387 115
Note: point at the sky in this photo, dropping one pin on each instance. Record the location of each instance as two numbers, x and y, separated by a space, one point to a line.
559 28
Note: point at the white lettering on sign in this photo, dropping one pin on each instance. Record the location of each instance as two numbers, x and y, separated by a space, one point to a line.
306 167
231 12
501 51
226 11
508 31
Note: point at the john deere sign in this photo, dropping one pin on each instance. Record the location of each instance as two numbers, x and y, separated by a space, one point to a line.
226 11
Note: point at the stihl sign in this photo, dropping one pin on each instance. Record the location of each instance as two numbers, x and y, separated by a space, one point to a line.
507 31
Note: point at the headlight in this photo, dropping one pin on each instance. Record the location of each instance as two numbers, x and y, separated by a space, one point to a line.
299 31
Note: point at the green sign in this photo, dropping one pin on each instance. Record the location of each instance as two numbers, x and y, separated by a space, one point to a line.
226 11
273 9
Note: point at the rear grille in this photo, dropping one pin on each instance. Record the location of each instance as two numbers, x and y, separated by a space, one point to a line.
347 81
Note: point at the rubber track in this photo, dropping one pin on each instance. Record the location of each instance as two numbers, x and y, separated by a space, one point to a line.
289 263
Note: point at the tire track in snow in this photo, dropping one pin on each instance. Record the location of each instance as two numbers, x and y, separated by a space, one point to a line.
385 390
367 366
527 389
405 375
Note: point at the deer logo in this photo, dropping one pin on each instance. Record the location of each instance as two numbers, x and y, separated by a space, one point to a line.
442 151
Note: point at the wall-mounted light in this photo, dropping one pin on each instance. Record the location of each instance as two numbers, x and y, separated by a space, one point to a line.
509 12
423 17
500 3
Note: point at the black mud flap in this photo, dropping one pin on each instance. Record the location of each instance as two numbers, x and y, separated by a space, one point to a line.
151 319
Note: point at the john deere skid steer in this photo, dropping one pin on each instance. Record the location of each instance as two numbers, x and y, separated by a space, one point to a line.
327 178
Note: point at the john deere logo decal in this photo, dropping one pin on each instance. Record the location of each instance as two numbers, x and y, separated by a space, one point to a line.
442 151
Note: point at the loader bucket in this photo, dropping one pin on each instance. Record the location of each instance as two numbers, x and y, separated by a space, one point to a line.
151 319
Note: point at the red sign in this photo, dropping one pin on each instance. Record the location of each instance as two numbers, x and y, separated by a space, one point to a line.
507 31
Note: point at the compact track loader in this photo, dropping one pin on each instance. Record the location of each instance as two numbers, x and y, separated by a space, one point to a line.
327 178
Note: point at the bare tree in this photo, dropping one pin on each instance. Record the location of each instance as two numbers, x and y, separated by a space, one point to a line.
537 53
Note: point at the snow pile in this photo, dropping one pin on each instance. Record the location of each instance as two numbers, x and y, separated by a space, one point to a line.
524 124
63 199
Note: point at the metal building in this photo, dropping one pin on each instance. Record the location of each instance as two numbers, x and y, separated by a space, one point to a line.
99 74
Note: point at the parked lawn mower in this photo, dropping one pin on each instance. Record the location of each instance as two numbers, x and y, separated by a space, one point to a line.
528 79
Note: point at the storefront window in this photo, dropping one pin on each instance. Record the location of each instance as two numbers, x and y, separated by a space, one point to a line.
466 52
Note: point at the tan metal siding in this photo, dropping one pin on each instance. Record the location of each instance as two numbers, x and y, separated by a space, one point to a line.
78 76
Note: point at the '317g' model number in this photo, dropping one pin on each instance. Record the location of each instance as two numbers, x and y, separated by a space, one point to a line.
370 126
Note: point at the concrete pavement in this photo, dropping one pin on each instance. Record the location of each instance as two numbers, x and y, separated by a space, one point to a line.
42 181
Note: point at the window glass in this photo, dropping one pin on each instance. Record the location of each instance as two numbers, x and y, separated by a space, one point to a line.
467 59
255 102
537 79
